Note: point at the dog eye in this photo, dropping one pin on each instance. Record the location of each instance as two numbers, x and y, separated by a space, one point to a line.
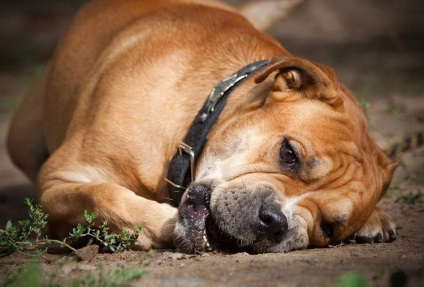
288 156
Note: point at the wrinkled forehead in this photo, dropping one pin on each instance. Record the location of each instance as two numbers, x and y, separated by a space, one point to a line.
317 123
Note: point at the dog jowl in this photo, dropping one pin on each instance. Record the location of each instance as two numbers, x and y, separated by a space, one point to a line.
297 170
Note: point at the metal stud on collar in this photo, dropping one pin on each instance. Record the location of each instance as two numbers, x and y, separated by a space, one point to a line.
224 85
195 138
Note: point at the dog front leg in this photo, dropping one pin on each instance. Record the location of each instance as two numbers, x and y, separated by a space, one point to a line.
66 201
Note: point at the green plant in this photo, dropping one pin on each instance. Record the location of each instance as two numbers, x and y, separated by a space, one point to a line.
30 275
117 277
88 280
352 279
110 241
411 197
28 236
27 275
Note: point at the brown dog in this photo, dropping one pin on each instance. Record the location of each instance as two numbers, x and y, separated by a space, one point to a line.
287 164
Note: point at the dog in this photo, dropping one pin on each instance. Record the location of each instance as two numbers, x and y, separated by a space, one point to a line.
274 153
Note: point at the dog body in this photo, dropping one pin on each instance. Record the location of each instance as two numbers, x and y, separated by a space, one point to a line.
288 164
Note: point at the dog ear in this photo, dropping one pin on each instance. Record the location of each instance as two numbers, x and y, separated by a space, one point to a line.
311 80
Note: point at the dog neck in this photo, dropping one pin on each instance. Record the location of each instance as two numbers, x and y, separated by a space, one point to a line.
181 168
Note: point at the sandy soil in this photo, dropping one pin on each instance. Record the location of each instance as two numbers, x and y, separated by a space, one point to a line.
375 50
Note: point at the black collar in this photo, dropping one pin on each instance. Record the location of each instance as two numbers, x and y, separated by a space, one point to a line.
181 168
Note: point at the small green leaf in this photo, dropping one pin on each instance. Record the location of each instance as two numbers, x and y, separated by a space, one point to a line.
8 225
352 279
80 229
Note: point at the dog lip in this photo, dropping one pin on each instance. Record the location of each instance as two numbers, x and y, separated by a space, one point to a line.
223 241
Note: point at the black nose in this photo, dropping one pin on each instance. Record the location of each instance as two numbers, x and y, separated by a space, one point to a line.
199 196
272 222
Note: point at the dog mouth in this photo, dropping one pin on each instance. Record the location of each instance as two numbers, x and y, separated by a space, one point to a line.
197 230
222 241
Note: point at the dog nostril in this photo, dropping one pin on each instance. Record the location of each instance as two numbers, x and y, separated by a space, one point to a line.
266 217
273 221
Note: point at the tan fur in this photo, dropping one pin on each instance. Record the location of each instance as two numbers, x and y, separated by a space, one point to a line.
122 89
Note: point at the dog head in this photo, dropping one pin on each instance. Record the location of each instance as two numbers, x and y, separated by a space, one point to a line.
297 169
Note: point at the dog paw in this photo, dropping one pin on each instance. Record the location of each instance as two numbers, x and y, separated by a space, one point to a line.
379 228
190 230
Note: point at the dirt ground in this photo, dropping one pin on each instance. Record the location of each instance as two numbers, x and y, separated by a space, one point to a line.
376 49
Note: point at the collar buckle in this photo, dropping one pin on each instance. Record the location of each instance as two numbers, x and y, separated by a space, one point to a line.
196 137
183 147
